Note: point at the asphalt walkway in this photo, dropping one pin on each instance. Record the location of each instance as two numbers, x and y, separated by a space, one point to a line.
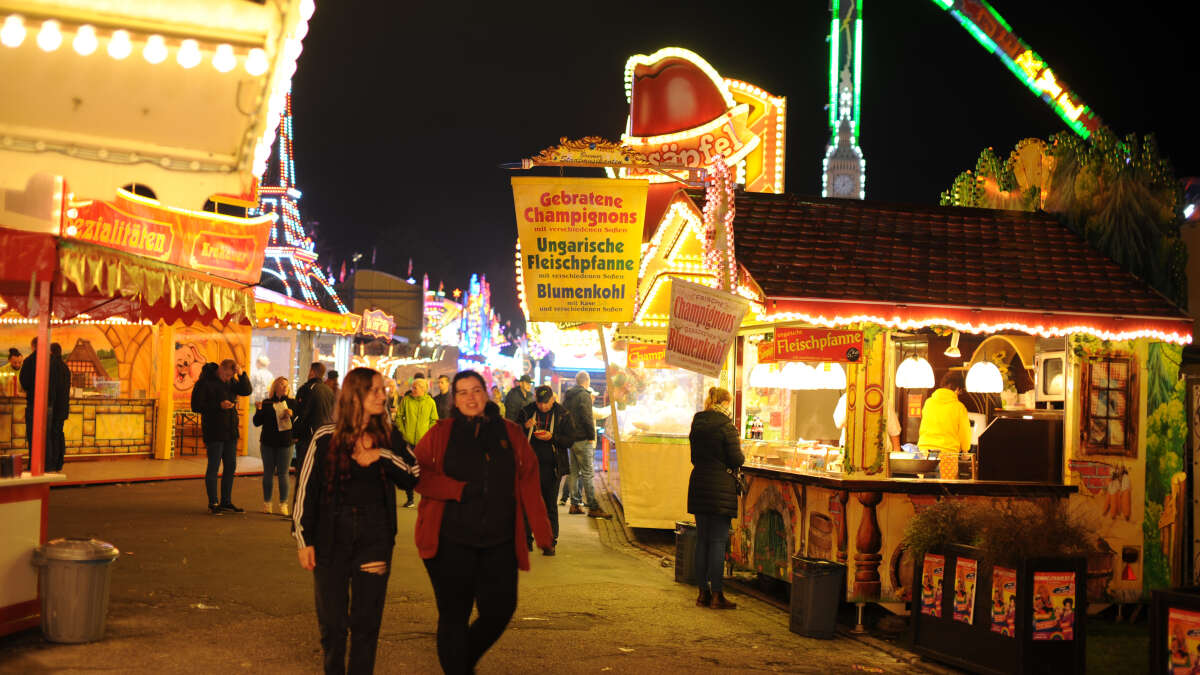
196 593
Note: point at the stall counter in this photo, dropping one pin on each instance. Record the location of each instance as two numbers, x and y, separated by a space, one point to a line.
24 506
653 483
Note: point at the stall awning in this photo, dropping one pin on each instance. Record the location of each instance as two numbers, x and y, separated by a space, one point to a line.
100 282
277 310
841 261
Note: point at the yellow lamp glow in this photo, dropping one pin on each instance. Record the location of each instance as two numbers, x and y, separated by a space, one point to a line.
119 45
49 37
13 32
188 55
85 41
155 50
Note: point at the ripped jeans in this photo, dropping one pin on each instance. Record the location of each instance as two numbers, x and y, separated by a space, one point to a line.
350 587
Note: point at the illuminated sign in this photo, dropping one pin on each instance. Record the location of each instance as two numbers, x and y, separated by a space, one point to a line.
640 354
766 351
377 323
818 344
683 113
702 326
225 246
580 243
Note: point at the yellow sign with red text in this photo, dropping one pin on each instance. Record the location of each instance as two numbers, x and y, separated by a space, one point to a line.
580 242
640 354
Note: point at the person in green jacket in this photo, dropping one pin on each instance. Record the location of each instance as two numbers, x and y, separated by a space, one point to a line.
415 415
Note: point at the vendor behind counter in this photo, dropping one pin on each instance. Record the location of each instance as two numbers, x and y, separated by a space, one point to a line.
945 427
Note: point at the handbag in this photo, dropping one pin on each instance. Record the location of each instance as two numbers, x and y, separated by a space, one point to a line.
739 481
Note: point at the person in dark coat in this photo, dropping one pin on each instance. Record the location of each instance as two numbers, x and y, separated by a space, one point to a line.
314 409
518 397
276 411
58 409
550 431
443 399
578 401
712 492
57 404
214 396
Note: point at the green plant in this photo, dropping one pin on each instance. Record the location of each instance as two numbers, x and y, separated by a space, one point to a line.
1013 530
946 522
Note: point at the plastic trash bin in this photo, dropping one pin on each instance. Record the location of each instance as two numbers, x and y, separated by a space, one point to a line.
817 588
685 552
73 575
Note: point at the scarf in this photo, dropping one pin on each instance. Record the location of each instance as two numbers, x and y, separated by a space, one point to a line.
723 408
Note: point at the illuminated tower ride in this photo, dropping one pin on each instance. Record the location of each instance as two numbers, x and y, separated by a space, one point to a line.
291 261
843 171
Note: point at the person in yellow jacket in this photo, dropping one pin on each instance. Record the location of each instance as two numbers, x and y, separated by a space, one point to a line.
415 415
944 424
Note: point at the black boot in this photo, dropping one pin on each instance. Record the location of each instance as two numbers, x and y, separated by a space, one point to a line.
705 598
719 602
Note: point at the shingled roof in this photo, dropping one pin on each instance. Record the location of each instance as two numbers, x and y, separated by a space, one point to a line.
861 251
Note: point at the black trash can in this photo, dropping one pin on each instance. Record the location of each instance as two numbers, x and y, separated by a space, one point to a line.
817 587
685 552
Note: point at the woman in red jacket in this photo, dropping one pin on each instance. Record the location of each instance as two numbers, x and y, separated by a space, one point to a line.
479 484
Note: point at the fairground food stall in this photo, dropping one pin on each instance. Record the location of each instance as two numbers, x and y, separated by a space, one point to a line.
161 117
1072 378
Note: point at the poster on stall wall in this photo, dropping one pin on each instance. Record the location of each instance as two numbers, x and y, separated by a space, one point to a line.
581 244
818 344
1053 605
1183 641
702 326
932 574
964 590
1004 601
640 354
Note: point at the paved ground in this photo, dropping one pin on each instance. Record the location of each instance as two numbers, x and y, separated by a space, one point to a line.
198 593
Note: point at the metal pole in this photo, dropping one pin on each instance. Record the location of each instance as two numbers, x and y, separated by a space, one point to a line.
41 388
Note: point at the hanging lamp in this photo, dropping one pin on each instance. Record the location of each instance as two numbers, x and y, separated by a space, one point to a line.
914 373
952 351
984 378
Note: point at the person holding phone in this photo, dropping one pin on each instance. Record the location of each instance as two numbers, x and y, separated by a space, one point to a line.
275 414
215 396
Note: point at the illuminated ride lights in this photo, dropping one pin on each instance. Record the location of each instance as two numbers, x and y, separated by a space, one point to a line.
290 250
995 35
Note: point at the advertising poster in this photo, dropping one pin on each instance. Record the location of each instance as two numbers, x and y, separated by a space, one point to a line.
965 572
818 344
1053 606
581 243
1004 601
640 354
1183 641
702 326
932 575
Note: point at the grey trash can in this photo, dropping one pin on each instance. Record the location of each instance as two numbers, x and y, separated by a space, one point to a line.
685 552
817 588
73 575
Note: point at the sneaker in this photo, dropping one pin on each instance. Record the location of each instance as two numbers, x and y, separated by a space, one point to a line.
214 509
409 504
232 508
598 512
719 602
267 508
283 509
563 502
575 509
548 551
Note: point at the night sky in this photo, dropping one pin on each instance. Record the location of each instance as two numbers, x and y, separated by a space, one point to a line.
403 113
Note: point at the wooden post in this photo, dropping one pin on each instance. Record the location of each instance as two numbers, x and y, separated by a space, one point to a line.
41 387
616 427
867 543
164 421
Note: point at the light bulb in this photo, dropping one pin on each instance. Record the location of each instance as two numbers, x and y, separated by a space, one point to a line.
224 60
118 45
85 41
984 378
256 62
13 32
49 37
188 55
155 50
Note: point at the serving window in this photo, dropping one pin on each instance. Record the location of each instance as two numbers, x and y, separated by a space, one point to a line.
1109 406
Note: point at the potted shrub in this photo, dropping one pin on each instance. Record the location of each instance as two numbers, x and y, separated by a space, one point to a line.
999 587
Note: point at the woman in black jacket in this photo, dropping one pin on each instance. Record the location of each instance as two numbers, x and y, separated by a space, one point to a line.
278 409
712 492
345 518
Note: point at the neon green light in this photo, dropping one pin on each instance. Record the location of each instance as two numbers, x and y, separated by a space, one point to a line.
833 66
946 4
858 26
996 15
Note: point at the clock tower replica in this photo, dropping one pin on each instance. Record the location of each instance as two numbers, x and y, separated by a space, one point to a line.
844 169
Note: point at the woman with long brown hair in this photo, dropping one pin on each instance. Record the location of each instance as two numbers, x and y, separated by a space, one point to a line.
712 492
345 518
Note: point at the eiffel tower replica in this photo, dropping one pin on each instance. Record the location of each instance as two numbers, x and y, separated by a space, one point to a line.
290 265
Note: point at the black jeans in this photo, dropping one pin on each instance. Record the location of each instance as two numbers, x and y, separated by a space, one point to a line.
549 477
349 599
464 577
220 452
56 446
712 538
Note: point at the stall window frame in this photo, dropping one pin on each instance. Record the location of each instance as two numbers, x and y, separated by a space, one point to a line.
1128 419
